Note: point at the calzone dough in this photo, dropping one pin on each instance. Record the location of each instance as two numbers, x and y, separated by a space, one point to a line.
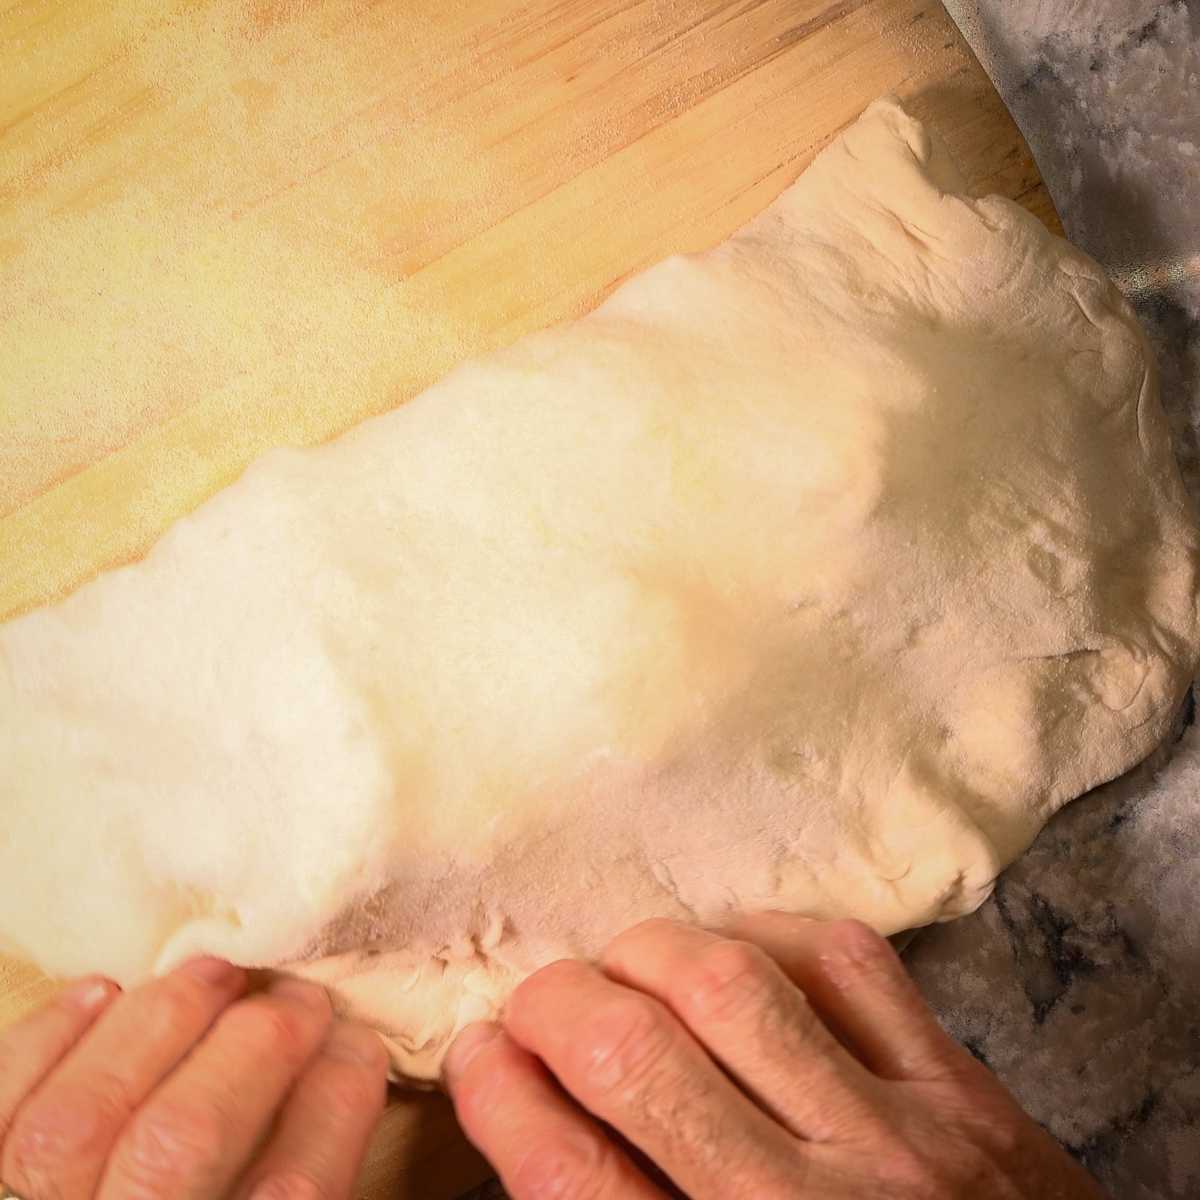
814 572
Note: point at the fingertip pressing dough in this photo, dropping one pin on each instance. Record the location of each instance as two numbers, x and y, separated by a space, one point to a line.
814 571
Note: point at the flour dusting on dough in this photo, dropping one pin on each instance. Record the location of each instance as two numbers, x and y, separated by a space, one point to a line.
815 571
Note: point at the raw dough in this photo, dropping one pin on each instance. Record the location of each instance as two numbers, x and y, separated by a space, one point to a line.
815 572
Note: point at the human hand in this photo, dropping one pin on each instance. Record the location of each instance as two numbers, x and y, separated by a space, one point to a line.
167 1089
790 1059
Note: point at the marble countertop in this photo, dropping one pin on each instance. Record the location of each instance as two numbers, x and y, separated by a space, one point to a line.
1078 982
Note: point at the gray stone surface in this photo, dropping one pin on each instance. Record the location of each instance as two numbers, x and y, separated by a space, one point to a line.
1079 981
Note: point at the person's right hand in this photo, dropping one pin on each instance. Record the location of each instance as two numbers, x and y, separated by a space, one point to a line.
789 1059
166 1091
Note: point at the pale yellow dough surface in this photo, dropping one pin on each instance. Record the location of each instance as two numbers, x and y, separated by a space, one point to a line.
814 572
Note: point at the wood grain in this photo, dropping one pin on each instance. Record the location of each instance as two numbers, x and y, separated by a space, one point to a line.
229 225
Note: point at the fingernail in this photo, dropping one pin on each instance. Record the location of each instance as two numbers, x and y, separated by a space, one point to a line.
310 995
88 993
216 972
469 1042
352 1043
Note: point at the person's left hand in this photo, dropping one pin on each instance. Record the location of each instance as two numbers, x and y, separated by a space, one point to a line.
187 1088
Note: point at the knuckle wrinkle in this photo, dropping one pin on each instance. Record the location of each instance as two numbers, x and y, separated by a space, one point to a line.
288 1187
567 1167
348 1098
269 1023
855 949
169 1143
727 977
623 1045
44 1137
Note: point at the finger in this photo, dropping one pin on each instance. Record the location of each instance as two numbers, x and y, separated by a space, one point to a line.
629 1061
63 1134
540 1143
752 1019
854 978
322 1133
30 1049
194 1134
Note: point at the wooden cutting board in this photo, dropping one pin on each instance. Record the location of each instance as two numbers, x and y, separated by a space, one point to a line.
227 226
